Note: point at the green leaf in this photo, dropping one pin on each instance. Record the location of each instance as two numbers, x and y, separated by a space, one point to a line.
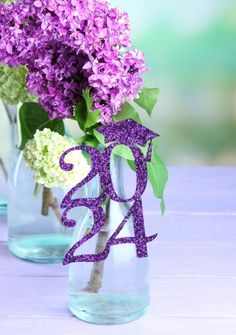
106 201
127 112
99 137
55 125
33 117
148 99
131 165
124 152
80 114
158 176
92 118
163 206
91 141
85 117
88 99
157 171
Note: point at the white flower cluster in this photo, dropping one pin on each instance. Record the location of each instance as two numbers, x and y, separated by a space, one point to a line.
42 154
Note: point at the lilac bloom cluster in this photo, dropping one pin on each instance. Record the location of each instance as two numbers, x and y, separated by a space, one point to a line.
69 46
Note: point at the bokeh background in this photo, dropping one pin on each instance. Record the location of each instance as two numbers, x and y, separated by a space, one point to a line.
190 47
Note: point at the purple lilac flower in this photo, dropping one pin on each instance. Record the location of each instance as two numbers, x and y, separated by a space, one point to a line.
71 45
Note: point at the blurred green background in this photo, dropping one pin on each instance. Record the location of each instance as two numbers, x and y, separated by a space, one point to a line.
190 47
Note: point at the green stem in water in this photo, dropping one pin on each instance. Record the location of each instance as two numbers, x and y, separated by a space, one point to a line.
96 276
48 201
45 201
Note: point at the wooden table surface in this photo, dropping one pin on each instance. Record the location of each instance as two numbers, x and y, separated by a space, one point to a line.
192 272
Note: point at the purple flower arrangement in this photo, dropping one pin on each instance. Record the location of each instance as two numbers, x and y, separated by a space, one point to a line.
69 46
81 64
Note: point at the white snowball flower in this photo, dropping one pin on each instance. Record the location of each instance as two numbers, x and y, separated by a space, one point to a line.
42 154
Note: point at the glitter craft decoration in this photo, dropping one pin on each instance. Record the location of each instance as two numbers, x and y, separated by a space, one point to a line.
130 134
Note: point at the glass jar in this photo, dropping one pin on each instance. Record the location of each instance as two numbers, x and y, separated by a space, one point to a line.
35 230
115 290
7 140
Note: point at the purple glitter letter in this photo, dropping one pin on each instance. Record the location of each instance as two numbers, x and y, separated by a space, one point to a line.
131 134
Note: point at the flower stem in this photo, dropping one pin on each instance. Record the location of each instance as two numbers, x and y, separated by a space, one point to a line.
96 276
48 201
53 204
45 201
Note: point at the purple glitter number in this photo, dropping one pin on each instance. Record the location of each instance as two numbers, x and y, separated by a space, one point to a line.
131 134
68 203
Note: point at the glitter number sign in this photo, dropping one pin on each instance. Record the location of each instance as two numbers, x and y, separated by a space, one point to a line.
131 134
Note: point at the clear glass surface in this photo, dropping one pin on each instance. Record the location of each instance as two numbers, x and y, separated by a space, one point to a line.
7 142
115 290
33 236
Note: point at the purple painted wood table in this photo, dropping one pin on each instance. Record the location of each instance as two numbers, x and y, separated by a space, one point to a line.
192 272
